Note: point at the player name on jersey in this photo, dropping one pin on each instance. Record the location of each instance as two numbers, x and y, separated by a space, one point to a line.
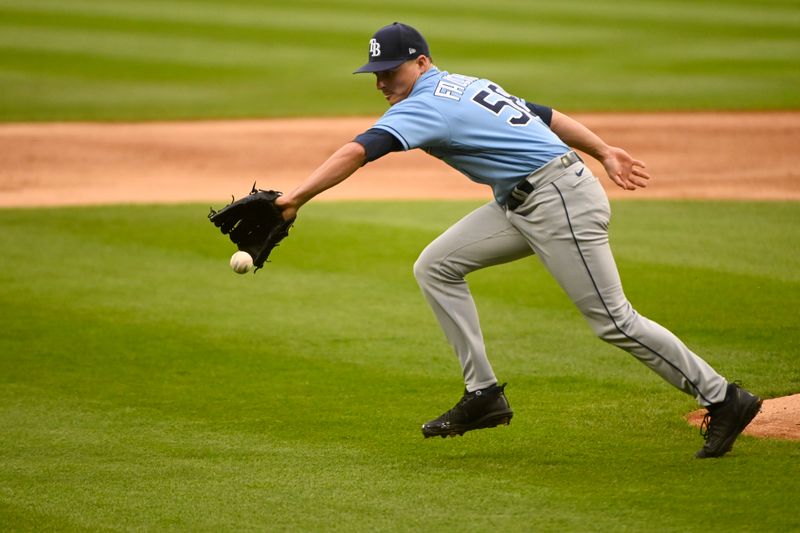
452 86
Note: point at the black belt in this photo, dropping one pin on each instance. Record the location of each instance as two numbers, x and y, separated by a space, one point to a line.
522 189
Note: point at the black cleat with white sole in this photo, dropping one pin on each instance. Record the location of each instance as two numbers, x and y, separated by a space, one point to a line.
484 408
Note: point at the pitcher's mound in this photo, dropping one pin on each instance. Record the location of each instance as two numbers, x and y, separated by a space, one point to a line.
779 419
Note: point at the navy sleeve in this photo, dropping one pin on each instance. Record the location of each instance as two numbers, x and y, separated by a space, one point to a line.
543 112
377 143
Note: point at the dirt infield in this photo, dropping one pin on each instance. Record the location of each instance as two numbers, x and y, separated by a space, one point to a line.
779 419
690 155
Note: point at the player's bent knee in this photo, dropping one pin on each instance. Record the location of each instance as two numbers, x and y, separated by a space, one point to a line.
424 269
429 268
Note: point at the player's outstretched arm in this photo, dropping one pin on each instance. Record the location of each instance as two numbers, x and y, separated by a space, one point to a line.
338 167
627 172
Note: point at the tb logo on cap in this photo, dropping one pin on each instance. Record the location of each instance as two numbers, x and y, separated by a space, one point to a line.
374 48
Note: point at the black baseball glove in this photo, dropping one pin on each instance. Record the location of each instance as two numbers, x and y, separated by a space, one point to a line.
254 223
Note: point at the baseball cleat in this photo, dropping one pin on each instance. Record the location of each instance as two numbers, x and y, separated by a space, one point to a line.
485 408
726 420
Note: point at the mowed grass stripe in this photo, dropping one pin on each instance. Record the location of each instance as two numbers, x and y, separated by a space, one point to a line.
206 14
498 26
759 272
255 59
147 48
174 474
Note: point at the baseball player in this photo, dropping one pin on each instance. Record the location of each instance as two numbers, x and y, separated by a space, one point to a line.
546 202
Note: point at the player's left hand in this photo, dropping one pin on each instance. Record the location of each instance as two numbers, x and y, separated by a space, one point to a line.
628 173
287 206
255 223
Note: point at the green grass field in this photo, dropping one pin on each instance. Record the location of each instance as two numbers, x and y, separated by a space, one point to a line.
144 386
155 59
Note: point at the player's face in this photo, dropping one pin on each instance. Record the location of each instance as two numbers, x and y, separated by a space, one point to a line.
396 84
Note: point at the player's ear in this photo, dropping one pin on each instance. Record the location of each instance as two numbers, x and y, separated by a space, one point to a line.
424 62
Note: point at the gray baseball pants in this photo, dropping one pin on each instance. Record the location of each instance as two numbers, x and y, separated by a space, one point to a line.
564 221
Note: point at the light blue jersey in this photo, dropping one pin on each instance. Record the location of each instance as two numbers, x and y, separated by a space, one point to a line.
474 126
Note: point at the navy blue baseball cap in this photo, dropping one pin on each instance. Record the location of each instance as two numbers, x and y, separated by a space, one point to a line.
392 46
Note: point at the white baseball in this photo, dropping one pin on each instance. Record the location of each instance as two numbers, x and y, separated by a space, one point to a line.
241 262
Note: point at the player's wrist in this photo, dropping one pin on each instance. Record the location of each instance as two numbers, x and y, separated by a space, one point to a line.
288 202
603 153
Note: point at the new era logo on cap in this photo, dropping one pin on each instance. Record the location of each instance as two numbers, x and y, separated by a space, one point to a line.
393 45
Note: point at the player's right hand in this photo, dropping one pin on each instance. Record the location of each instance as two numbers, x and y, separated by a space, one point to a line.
628 173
